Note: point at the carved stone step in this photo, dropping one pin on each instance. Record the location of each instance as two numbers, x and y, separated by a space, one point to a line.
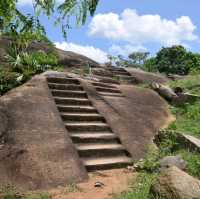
87 126
106 162
62 80
82 117
76 109
58 86
66 93
72 101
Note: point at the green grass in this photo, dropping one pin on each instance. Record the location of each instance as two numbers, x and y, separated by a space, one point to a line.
188 115
190 84
140 189
193 162
187 119
10 192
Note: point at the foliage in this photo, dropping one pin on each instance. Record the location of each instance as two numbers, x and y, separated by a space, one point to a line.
139 190
193 162
190 84
188 115
174 60
8 80
10 16
138 57
150 65
150 162
135 59
23 67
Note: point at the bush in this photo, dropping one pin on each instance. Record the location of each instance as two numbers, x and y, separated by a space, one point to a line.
174 60
23 66
8 80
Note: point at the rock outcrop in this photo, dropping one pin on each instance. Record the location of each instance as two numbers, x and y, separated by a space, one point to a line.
3 122
146 77
175 183
38 152
66 58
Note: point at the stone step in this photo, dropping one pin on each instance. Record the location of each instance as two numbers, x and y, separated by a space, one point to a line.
92 132
87 126
82 117
103 85
111 94
124 76
106 162
69 93
110 90
115 69
62 80
72 101
73 87
121 73
99 149
76 109
94 137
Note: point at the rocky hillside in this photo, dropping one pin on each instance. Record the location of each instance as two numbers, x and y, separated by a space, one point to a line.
66 58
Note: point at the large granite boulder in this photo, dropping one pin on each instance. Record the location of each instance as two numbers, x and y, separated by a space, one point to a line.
146 77
38 152
3 122
174 183
66 58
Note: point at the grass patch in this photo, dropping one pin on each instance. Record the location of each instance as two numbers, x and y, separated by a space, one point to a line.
140 189
190 84
193 162
10 192
188 115
73 188
187 119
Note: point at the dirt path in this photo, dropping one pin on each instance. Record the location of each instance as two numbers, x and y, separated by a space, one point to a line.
115 181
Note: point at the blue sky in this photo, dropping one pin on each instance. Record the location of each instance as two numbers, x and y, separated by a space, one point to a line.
124 26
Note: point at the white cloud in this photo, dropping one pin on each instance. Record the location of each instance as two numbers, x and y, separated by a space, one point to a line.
126 49
94 53
137 29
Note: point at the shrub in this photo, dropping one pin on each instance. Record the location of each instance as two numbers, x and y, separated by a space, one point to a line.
174 60
8 80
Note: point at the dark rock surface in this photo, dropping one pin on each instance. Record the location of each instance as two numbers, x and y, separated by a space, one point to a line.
39 152
135 118
174 183
3 122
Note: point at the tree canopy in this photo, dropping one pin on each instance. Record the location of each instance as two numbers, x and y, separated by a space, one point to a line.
12 18
174 60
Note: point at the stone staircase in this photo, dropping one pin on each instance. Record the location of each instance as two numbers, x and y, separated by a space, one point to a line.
107 89
123 75
97 145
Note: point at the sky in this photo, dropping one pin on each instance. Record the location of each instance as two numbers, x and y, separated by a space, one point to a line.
126 26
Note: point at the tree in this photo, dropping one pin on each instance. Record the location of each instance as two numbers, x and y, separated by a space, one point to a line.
175 60
138 57
67 10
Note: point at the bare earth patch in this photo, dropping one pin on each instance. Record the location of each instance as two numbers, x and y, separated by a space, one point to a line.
114 181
